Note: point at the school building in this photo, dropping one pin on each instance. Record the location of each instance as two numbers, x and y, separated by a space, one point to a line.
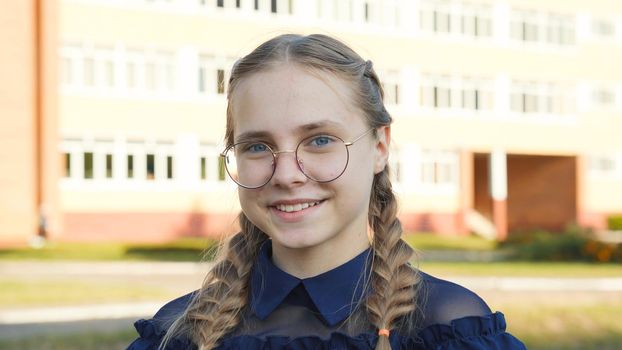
508 113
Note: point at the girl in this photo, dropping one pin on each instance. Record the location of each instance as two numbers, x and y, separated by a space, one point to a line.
319 262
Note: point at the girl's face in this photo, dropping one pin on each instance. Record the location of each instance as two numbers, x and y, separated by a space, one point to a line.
282 106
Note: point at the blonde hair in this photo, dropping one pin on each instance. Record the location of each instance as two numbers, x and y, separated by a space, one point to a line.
217 307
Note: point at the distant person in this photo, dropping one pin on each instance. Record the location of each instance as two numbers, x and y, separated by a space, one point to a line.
319 262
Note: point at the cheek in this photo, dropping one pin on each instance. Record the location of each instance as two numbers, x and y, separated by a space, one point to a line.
248 200
362 166
357 184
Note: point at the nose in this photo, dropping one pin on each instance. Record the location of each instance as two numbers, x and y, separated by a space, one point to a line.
288 170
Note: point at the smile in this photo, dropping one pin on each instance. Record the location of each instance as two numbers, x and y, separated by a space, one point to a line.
295 207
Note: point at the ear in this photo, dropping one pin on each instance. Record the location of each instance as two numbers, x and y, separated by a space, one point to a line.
382 148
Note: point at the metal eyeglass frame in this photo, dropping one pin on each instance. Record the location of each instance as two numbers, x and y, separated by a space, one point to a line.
298 161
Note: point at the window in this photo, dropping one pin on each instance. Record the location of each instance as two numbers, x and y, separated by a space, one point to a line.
476 21
212 75
560 30
130 166
550 28
89 72
603 97
107 69
466 93
435 16
602 163
539 97
471 99
97 159
203 168
134 69
169 167
442 97
149 71
150 76
439 168
444 17
67 66
109 172
442 21
436 91
130 75
221 169
395 163
202 75
88 165
67 164
212 166
150 166
603 28
391 87
605 165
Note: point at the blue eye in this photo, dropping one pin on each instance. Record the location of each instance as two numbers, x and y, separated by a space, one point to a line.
321 141
256 148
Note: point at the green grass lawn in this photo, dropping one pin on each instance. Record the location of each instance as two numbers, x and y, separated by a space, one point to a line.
186 249
588 326
429 241
32 293
80 341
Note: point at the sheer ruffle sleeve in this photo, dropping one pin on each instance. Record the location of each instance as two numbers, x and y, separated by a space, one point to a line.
473 332
151 331
151 334
468 333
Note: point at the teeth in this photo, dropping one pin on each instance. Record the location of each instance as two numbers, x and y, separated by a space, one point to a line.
295 207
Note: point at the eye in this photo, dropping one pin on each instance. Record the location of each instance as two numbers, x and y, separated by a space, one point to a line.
321 141
255 148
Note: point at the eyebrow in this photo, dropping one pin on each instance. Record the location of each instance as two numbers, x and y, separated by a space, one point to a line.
250 135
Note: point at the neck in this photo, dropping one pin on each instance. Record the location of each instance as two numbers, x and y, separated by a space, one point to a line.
312 261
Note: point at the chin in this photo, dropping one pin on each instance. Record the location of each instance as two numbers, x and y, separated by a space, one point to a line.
295 240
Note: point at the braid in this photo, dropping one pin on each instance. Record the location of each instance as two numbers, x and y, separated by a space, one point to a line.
393 281
217 308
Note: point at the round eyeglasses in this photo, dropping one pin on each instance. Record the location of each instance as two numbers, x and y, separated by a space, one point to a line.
321 158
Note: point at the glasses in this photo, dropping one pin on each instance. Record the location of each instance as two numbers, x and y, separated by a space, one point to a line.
321 158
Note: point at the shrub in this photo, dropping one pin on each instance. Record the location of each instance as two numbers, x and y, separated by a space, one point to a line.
573 245
614 222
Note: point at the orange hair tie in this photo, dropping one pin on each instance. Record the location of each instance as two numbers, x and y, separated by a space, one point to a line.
383 332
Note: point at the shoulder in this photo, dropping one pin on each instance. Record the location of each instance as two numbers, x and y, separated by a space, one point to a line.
151 331
444 301
174 308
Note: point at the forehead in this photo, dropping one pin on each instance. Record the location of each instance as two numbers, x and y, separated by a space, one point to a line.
281 100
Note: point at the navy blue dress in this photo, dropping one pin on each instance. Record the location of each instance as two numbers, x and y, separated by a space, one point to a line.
286 312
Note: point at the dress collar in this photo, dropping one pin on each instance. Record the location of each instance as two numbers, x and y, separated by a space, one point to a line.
335 293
